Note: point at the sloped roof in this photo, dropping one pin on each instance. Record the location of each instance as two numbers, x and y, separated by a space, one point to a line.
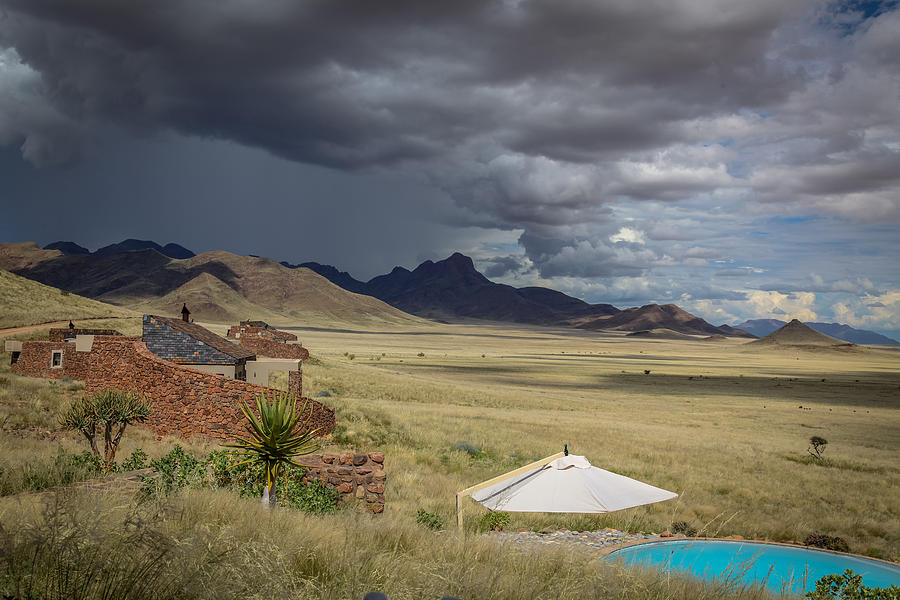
207 337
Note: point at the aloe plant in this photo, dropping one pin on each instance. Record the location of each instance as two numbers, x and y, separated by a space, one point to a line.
275 438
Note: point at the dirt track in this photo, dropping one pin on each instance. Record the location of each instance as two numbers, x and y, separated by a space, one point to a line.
28 328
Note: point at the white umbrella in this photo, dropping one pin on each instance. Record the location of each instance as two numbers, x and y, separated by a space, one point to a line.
566 484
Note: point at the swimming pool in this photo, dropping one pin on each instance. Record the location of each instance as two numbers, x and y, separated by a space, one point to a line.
779 567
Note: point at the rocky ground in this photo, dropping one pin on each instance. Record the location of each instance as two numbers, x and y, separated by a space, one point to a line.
590 539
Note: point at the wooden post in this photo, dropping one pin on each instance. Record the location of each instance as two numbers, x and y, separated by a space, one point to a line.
521 470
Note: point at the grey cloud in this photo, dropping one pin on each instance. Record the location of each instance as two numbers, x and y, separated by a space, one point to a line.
501 266
536 116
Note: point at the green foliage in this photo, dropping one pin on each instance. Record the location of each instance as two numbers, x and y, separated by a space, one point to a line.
174 471
420 354
276 437
684 528
178 470
848 586
62 469
468 448
829 542
109 410
136 461
429 520
494 521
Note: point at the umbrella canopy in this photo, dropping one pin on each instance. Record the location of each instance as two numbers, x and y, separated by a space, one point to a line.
569 484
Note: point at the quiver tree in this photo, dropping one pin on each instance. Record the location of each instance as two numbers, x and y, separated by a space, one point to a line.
109 411
817 446
274 438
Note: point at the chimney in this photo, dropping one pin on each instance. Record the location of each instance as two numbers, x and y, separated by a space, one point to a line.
71 325
185 313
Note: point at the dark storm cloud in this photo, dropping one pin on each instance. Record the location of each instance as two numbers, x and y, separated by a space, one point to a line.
540 117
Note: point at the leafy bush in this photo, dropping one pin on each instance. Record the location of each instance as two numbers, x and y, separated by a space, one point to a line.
466 447
420 354
684 527
323 394
62 469
429 520
848 586
829 542
178 470
494 521
137 460
174 471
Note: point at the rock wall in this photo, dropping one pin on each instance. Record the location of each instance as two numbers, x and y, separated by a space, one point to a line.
185 401
35 360
272 348
239 331
59 334
360 476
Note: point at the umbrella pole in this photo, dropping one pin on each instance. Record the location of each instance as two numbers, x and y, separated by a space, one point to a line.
471 490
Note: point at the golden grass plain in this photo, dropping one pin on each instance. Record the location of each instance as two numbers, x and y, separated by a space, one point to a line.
723 424
718 422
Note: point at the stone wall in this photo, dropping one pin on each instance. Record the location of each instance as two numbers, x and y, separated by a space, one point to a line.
35 360
272 348
185 401
360 476
239 331
59 334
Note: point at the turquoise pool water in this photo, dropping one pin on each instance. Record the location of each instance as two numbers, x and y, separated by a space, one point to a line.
778 567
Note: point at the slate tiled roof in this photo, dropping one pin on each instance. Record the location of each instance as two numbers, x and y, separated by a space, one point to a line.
207 337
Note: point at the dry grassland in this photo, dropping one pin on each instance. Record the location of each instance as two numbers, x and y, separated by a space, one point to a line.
718 423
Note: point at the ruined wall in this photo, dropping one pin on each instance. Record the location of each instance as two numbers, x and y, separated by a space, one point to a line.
185 401
59 334
239 331
34 360
272 348
360 476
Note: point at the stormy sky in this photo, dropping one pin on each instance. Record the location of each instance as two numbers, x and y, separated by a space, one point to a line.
741 159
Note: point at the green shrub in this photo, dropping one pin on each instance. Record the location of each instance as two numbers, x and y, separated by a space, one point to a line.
848 586
684 527
420 354
429 520
136 461
829 542
178 470
172 472
494 521
323 394
62 469
466 447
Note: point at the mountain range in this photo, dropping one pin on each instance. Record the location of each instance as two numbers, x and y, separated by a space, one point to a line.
221 286
763 327
129 245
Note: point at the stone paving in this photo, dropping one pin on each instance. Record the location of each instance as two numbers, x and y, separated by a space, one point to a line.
589 539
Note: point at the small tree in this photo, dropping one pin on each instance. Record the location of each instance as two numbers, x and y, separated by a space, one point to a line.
817 446
109 410
275 438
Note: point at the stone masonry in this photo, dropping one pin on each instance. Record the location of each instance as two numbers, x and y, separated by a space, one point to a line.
185 401
360 476
35 360
268 342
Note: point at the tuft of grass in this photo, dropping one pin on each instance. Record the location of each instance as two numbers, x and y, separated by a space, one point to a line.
212 544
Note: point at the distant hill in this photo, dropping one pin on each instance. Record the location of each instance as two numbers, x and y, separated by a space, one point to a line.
662 334
130 245
453 288
332 274
796 333
27 302
763 327
655 316
67 248
217 286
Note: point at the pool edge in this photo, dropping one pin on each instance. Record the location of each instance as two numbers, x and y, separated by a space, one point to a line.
607 550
